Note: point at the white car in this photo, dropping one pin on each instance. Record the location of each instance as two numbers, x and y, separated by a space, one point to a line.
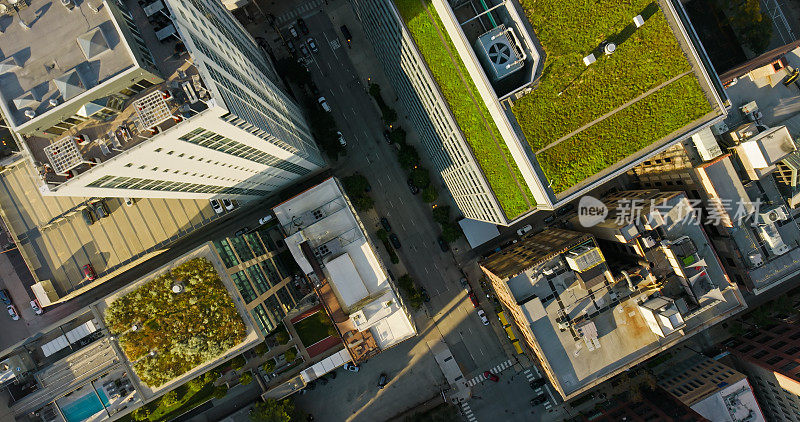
482 315
522 231
265 220
324 104
13 312
228 204
349 366
36 308
217 207
342 142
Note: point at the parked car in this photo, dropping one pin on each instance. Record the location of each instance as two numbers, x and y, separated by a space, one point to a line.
395 240
13 312
541 398
538 383
5 297
412 187
241 231
522 231
228 204
383 380
88 216
342 142
385 224
465 284
128 202
565 209
424 294
265 219
490 376
387 135
550 218
36 308
442 244
302 25
217 207
474 299
88 271
290 46
312 44
346 33
303 50
350 366
324 104
293 31
482 316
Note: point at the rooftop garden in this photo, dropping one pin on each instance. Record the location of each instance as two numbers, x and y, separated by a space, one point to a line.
183 330
314 328
648 66
467 107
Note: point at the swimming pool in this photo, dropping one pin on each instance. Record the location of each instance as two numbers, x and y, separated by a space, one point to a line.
83 408
103 397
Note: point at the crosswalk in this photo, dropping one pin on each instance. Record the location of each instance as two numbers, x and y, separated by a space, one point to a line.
468 412
529 374
496 370
297 12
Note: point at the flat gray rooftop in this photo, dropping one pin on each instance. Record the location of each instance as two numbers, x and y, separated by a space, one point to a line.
56 242
58 55
775 101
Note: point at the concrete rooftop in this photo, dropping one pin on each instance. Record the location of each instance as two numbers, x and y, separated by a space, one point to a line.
46 42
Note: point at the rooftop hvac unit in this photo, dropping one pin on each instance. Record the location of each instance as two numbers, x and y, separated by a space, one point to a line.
756 260
773 216
706 144
500 52
771 237
719 129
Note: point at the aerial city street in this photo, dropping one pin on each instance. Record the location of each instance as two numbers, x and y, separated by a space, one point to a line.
399 210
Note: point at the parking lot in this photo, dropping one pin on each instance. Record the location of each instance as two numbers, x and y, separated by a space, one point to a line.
57 241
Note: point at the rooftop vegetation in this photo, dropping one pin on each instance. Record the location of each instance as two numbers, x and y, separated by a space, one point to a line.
624 133
315 328
468 108
570 95
183 329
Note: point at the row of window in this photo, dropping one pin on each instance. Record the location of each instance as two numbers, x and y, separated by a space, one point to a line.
211 140
118 182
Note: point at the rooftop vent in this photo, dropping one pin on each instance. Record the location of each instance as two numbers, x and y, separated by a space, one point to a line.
69 84
93 43
69 4
10 63
26 100
500 52
30 114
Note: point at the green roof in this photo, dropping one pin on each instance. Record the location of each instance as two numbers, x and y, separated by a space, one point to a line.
468 108
580 120
184 329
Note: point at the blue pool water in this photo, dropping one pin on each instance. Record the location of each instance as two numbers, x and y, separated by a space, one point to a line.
103 397
83 408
